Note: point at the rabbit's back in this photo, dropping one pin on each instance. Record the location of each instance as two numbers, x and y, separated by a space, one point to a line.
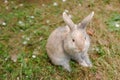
56 37
54 44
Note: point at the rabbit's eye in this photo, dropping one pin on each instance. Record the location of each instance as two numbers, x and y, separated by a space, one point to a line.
73 40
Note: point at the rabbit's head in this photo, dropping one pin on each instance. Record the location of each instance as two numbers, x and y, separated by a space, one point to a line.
77 37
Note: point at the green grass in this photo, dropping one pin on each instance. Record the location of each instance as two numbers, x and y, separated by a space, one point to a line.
114 22
26 25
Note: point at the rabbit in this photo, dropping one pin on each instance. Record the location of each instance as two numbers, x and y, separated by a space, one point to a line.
70 42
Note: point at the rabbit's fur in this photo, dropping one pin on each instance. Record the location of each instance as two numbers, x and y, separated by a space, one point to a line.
70 42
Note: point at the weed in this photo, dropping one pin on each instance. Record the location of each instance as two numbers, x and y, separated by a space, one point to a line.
106 1
114 22
26 25
100 50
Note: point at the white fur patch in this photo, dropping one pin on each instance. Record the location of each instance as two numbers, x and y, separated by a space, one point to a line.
87 44
84 64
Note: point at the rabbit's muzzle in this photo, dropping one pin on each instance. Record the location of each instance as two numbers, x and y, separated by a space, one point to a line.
80 44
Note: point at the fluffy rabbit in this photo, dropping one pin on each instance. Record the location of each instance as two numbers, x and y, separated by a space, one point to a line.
70 42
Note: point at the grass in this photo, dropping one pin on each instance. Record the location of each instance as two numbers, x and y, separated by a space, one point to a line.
26 25
113 22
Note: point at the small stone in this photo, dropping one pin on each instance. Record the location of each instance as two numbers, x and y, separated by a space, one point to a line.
5 1
97 49
14 57
6 59
43 5
47 21
20 5
21 30
55 4
15 7
27 76
7 8
18 78
64 0
79 4
32 17
34 31
4 24
27 38
117 25
66 11
33 56
23 36
21 23
24 42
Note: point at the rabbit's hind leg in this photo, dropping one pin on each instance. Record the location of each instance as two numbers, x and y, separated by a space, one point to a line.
63 62
66 66
84 60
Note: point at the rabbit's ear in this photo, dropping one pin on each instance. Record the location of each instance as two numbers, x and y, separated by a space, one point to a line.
85 21
68 20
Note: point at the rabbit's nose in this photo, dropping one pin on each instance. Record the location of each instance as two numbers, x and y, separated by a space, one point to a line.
81 46
81 49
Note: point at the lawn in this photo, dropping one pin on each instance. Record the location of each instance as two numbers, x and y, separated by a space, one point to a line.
25 26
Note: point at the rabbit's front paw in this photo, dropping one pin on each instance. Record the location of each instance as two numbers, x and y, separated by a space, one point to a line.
83 63
67 67
89 64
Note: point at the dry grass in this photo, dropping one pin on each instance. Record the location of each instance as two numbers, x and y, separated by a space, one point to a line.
28 39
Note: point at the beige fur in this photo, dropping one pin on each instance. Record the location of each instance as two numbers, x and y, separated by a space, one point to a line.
69 42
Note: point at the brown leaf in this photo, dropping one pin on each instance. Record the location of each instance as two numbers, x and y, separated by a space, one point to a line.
98 76
90 32
14 57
